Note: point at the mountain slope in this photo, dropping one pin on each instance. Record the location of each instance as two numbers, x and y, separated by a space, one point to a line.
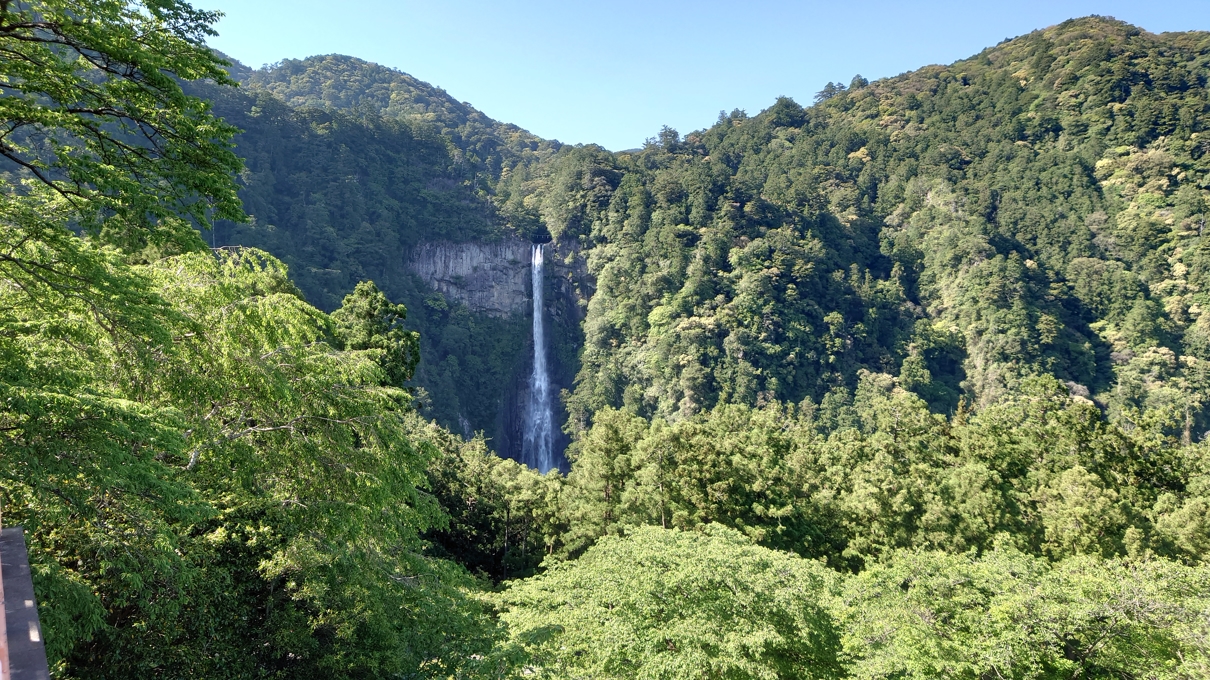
338 82
1035 209
343 196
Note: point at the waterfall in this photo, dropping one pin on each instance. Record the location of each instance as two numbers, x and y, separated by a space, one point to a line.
537 447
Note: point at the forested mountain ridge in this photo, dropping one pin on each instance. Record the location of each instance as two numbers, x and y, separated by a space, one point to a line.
426 184
347 83
343 187
1035 209
959 226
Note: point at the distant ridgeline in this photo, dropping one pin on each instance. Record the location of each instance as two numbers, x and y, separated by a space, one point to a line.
1036 209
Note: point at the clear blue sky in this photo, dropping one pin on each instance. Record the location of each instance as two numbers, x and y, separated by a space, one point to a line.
614 72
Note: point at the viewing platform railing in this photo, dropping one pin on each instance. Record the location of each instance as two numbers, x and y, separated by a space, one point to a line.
22 652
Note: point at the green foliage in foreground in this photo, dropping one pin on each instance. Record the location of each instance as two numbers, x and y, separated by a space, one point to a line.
670 604
928 615
217 479
659 603
223 490
94 110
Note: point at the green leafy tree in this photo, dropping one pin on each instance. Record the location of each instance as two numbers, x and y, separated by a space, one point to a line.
660 603
94 110
504 518
83 466
603 467
369 321
313 476
925 615
208 483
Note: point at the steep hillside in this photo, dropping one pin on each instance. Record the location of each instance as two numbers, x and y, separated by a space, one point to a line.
356 172
1036 209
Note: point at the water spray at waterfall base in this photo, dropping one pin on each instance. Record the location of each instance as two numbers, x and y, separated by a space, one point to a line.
537 447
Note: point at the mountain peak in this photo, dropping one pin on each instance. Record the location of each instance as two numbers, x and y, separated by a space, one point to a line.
339 81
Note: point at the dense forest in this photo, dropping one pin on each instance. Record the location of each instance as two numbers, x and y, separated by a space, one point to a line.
339 196
909 383
348 167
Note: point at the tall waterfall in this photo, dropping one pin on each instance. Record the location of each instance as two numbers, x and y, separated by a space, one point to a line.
537 447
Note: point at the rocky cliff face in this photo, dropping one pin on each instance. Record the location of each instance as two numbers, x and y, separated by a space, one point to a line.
489 278
494 279
567 289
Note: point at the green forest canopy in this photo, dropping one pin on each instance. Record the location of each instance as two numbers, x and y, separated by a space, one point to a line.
906 384
1035 209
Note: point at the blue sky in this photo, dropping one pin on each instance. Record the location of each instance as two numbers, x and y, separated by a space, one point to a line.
613 73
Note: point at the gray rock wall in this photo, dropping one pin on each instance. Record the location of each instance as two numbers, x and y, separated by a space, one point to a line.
490 278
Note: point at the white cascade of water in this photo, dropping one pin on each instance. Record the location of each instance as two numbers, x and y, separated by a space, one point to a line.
537 446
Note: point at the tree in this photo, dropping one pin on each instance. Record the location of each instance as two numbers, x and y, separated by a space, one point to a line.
504 517
1007 615
604 466
660 603
830 90
305 455
98 136
369 321
93 109
209 484
84 467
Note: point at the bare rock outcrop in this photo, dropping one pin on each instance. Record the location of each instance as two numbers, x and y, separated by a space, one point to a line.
491 278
